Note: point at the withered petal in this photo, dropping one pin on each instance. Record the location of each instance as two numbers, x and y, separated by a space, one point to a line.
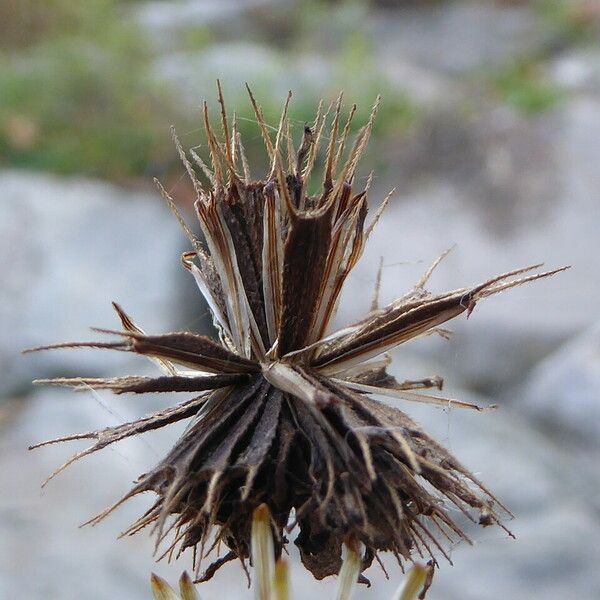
304 259
402 321
143 385
192 350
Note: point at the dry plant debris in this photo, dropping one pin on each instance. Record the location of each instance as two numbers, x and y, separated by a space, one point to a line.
281 412
271 578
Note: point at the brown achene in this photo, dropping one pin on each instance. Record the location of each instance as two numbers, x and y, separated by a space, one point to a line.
281 412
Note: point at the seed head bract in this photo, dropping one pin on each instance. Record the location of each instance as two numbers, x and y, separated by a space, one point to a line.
279 406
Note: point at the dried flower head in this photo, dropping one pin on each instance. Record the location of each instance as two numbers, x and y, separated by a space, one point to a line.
281 412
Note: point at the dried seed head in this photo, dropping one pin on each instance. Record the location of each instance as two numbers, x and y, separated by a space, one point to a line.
281 413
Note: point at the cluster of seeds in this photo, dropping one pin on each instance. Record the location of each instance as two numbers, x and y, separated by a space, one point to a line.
281 412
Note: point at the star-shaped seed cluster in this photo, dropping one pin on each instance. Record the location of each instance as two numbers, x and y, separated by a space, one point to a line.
281 412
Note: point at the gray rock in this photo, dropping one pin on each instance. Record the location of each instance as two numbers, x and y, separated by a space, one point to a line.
427 87
552 217
556 525
159 18
69 247
457 37
554 557
562 393
561 397
577 70
192 75
43 553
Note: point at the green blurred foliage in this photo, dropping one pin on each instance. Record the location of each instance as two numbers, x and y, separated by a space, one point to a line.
523 85
24 23
77 96
571 21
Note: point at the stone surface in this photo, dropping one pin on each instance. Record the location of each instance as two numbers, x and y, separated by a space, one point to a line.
159 18
69 247
458 37
561 397
562 393
555 525
191 75
558 226
578 70
43 554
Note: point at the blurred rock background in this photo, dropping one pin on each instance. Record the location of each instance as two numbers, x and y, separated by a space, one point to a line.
489 128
